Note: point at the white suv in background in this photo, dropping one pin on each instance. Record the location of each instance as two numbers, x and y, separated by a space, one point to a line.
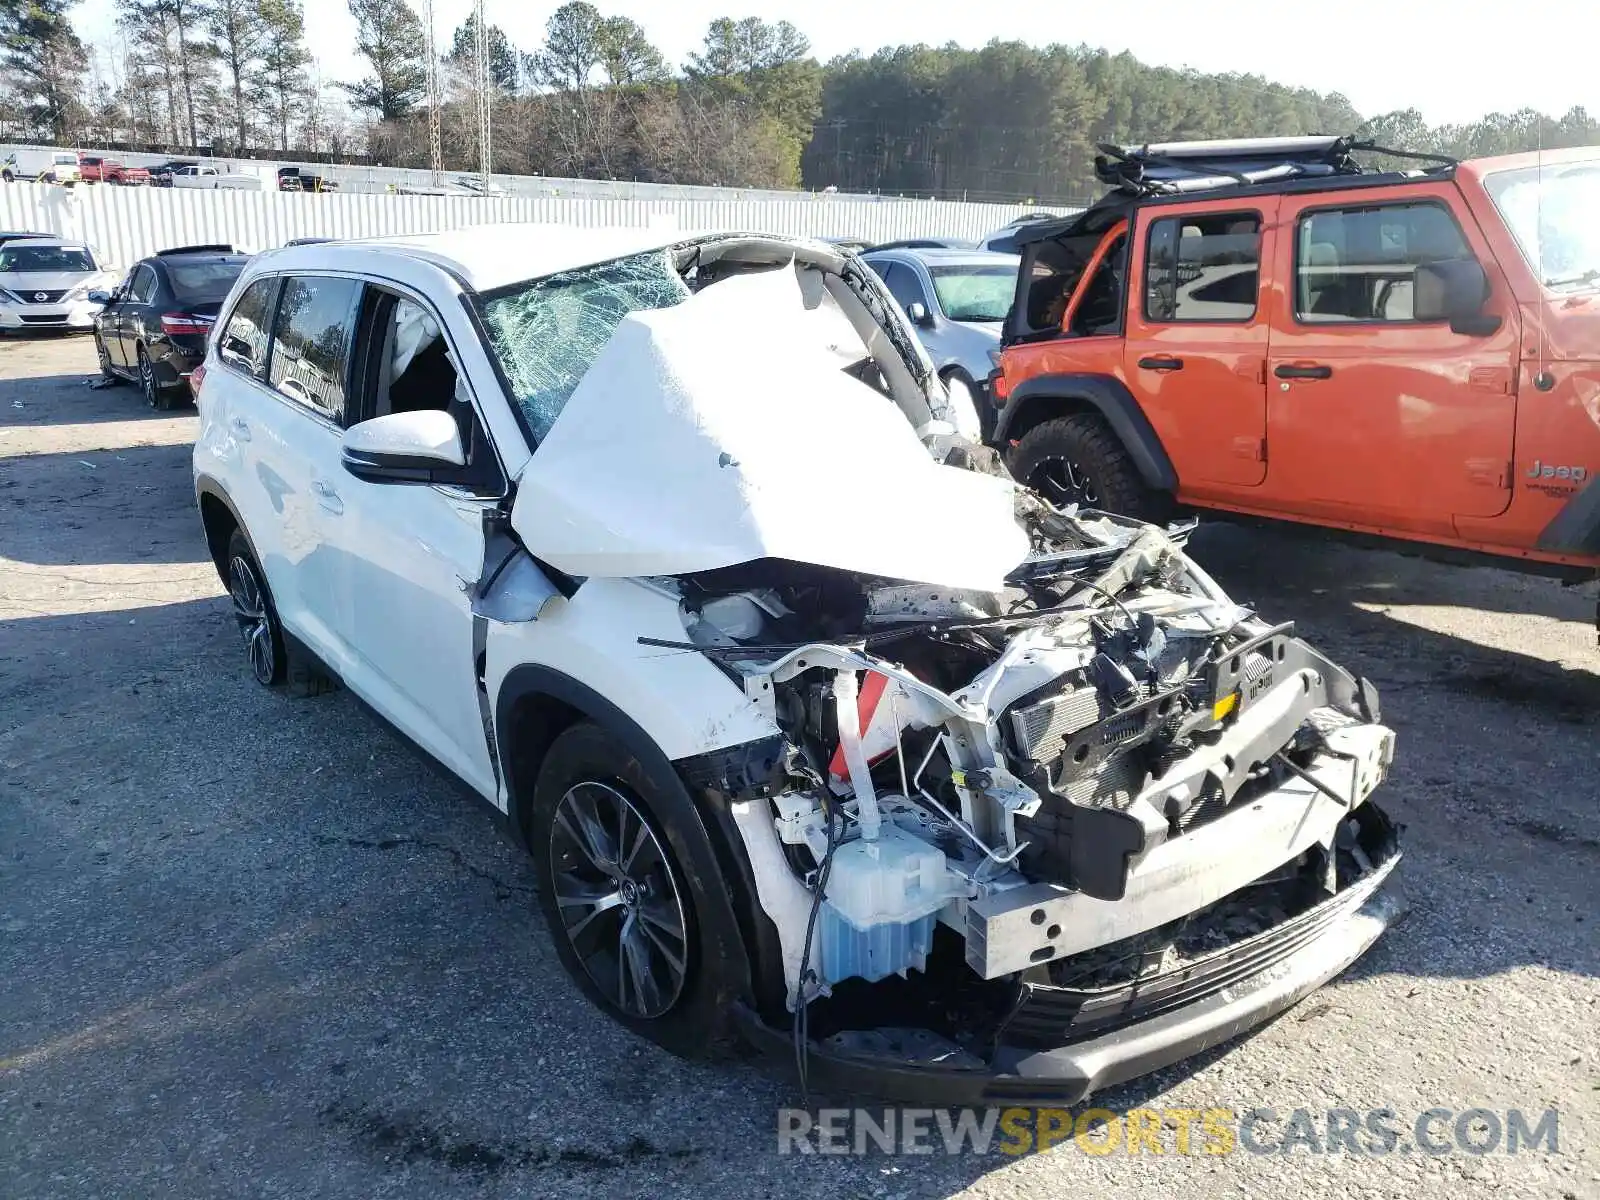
819 729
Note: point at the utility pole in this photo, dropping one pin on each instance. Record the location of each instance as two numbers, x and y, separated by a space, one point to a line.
485 91
435 138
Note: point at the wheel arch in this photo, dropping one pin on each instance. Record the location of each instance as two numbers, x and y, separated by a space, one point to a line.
219 518
535 704
1045 397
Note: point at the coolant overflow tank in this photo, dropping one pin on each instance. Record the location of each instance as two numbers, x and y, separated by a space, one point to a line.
882 901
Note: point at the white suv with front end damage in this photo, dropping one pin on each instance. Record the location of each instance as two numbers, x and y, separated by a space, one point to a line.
822 733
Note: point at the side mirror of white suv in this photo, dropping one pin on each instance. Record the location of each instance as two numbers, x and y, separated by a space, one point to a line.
406 447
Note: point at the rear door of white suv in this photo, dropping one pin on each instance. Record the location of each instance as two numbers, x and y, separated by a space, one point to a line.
279 399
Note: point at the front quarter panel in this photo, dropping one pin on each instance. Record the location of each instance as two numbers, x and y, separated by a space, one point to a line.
683 704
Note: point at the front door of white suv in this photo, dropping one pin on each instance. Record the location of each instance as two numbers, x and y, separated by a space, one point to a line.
408 556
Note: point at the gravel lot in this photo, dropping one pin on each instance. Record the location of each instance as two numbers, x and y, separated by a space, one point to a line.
250 945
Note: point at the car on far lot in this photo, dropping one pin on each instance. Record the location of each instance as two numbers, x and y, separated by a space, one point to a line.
928 243
16 235
95 168
205 177
161 174
298 179
957 300
1003 240
153 327
47 283
40 165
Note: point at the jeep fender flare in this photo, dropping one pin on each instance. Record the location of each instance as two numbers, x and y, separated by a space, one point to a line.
698 840
1033 400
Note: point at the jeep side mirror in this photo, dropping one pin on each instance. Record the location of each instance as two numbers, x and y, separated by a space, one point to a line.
1454 290
918 312
99 297
406 447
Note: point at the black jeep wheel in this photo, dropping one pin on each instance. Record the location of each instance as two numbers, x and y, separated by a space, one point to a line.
1080 460
621 909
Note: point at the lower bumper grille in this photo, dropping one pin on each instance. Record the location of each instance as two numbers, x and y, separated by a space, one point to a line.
1056 1016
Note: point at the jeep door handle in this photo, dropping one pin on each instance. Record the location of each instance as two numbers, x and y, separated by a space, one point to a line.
241 429
1303 371
327 497
1162 363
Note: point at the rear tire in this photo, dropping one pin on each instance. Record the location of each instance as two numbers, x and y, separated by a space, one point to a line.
157 397
1078 459
255 613
623 913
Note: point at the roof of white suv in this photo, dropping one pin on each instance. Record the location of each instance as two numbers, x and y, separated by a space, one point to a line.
486 257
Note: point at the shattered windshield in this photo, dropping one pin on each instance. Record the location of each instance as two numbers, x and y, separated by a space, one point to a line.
1551 211
545 333
975 293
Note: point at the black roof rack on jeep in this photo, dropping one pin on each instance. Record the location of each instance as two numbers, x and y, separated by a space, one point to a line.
1173 168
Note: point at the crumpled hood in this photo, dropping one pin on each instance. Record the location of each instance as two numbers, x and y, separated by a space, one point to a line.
722 430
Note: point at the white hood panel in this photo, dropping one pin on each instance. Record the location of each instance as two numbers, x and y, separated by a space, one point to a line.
721 430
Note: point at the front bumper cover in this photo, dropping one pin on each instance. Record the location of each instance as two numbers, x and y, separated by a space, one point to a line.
77 314
1226 995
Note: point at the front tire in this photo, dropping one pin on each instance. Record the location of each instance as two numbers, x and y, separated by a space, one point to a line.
255 614
1078 459
624 914
105 360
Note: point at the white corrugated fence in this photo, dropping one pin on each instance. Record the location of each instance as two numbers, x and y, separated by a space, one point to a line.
127 223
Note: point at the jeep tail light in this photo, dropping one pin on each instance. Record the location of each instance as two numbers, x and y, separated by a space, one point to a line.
179 322
197 377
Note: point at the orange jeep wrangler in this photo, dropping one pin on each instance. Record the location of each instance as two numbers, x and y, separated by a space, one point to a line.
1263 327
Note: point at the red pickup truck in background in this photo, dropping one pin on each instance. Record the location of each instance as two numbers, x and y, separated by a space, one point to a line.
95 168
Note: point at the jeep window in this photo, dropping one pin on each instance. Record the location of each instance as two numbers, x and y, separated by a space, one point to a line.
545 333
244 338
311 342
974 293
1357 264
1100 309
1203 268
1551 212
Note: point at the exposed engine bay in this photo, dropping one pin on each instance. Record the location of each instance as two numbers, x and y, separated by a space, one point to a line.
1106 748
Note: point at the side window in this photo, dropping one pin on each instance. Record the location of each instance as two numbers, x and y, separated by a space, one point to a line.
244 338
144 286
1203 268
1358 264
311 341
1100 309
904 285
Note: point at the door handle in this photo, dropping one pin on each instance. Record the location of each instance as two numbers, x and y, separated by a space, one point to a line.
327 497
1303 371
241 428
1162 363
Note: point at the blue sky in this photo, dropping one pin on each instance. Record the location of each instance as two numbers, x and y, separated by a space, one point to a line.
1433 55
